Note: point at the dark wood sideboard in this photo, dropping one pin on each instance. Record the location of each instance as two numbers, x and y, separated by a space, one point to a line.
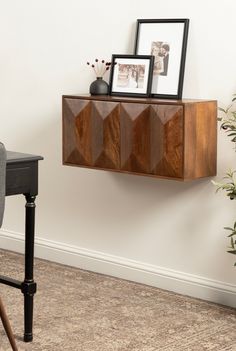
173 139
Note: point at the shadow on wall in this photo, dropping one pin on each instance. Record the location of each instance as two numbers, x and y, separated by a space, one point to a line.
135 198
82 194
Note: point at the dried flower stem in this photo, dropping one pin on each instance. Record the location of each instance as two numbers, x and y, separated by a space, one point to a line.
95 70
100 68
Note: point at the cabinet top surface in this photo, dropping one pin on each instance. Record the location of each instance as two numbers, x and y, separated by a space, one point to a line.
131 99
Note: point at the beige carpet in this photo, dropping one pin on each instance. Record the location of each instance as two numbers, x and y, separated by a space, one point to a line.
84 311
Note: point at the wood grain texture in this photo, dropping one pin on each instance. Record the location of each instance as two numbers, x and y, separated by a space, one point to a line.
132 99
105 134
91 133
77 132
135 137
169 139
152 139
200 140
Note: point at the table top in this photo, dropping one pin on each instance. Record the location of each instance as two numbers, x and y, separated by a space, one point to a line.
15 157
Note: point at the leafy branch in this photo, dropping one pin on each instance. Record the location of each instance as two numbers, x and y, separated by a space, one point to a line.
228 124
229 120
232 236
229 186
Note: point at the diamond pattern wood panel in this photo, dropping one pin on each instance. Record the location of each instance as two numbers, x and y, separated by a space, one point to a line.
77 132
166 140
91 133
160 138
152 139
135 137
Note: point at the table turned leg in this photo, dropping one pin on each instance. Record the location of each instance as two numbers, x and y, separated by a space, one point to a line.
28 286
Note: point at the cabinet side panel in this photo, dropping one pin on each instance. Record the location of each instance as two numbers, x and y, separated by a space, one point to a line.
77 132
200 139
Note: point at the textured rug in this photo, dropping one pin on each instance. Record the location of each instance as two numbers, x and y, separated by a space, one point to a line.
77 310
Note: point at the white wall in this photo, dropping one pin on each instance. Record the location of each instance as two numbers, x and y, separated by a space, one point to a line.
160 232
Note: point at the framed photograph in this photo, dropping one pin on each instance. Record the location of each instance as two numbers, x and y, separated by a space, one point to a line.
166 40
131 75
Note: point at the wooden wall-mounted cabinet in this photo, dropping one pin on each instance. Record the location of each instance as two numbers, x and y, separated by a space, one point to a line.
161 138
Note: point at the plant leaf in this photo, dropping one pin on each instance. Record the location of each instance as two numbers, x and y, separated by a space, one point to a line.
232 243
231 235
232 252
221 109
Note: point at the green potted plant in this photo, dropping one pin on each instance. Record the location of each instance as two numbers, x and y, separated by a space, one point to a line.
228 124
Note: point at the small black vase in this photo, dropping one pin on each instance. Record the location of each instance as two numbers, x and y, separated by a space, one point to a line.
99 87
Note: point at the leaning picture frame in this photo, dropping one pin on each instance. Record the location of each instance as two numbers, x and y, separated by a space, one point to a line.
166 40
131 75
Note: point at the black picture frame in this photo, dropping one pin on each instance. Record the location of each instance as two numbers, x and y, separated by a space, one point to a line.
152 35
128 80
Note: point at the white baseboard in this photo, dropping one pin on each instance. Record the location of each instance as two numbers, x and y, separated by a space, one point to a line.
168 279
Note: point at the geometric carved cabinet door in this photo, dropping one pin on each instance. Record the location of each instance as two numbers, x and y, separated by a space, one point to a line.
167 140
173 139
91 133
105 135
135 137
152 139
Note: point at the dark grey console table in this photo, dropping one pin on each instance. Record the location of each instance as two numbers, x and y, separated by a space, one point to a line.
22 178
